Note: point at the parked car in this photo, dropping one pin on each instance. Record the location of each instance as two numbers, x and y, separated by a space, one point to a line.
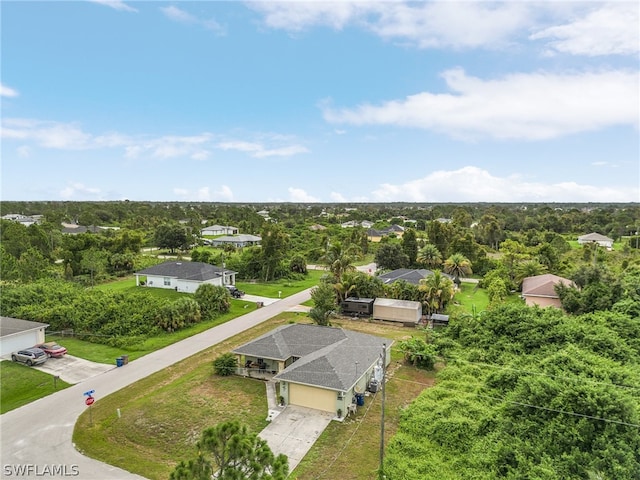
233 290
30 356
52 349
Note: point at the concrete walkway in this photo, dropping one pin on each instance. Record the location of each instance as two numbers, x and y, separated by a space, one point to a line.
37 438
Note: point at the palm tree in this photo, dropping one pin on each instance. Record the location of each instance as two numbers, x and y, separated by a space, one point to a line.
459 266
438 290
430 256
339 260
530 268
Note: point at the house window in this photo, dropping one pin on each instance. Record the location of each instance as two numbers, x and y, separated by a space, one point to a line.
167 281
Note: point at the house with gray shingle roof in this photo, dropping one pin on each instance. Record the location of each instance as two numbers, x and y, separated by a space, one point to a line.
409 275
238 241
317 367
596 238
17 334
184 276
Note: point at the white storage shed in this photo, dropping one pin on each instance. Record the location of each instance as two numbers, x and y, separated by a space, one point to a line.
403 311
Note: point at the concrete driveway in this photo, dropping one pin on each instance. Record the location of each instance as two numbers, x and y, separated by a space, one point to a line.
73 369
294 431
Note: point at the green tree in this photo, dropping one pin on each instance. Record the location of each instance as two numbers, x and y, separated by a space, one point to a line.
324 303
390 256
275 243
94 261
298 264
530 268
228 451
171 236
225 364
213 300
438 291
410 245
339 259
430 256
459 266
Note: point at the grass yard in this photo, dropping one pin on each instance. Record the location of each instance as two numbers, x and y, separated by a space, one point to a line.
21 385
286 286
471 298
164 414
97 352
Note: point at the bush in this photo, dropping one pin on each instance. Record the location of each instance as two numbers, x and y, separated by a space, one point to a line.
225 364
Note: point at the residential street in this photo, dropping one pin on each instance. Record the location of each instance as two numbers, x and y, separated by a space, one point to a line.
36 438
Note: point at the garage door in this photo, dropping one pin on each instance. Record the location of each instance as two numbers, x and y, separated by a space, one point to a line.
312 397
11 343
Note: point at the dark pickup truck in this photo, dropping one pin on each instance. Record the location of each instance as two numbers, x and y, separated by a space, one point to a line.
234 292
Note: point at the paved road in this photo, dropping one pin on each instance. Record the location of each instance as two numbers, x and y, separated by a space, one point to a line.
37 437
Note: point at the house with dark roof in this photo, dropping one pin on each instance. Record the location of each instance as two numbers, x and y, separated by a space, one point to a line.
18 334
317 367
409 275
541 290
183 276
376 235
601 240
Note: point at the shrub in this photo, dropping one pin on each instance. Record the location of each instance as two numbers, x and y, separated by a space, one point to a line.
225 364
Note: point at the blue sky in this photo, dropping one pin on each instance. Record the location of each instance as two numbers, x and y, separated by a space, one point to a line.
320 101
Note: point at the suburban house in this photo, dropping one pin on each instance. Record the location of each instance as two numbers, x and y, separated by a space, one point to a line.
540 290
72 229
219 230
183 276
17 334
408 275
596 238
237 241
376 235
317 367
355 223
25 220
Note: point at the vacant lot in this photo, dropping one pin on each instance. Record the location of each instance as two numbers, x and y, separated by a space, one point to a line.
162 416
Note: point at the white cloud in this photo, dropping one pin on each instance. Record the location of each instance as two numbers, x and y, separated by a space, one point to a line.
116 5
73 189
529 106
7 91
23 151
337 197
182 16
473 184
204 194
610 29
299 195
258 150
423 24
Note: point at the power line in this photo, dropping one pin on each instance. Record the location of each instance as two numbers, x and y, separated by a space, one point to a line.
523 404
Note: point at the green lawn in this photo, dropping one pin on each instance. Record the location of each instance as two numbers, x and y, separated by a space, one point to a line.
163 415
286 286
21 385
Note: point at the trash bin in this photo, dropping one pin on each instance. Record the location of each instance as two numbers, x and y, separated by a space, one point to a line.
125 359
259 304
360 399
119 362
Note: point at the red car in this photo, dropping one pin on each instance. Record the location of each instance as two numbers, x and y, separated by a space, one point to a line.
52 349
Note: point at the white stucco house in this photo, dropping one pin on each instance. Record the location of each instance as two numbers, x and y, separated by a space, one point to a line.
601 240
238 241
183 276
17 334
219 230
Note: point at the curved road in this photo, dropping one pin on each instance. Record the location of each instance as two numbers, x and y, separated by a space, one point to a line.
36 439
